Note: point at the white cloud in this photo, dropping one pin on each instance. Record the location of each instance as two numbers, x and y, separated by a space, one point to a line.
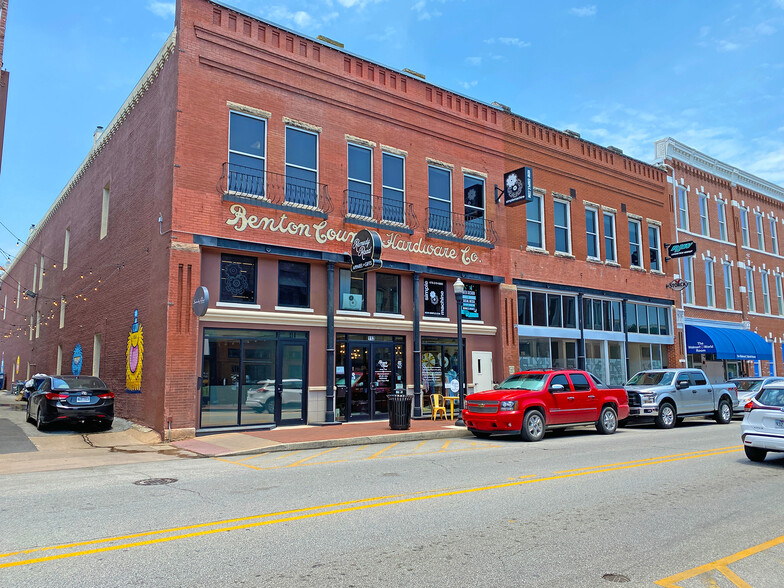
584 11
299 18
388 34
725 46
509 41
467 85
473 60
423 11
162 9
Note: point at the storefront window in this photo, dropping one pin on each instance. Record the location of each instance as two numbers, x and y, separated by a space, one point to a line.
238 279
594 358
388 293
617 365
352 290
534 353
293 284
439 368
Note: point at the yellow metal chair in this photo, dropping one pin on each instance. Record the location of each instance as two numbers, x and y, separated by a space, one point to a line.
438 406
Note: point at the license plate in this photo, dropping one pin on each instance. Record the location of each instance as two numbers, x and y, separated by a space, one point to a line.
780 423
83 399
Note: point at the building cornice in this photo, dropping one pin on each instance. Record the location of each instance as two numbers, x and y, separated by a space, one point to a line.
669 148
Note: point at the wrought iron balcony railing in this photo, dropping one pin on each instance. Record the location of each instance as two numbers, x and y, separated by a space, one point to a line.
463 226
272 188
376 208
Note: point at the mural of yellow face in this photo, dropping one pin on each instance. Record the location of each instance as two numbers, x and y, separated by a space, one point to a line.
134 354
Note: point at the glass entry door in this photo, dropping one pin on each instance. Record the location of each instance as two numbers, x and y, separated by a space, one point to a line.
372 371
290 393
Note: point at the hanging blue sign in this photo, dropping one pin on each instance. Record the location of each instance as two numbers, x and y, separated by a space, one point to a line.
76 362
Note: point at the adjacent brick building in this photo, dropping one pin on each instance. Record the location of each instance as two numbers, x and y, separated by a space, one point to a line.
244 163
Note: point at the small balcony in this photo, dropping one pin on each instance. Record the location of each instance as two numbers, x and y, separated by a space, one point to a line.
464 227
374 211
257 186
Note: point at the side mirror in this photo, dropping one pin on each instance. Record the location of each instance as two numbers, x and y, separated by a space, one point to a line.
681 384
557 388
496 387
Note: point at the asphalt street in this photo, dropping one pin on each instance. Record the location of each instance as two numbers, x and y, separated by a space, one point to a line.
644 507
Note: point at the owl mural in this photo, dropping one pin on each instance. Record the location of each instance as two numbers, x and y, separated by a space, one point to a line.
133 356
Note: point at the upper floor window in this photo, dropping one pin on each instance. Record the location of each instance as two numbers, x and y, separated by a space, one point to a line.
602 315
688 276
66 247
387 293
710 291
744 226
247 154
360 181
238 279
439 198
393 188
293 284
546 310
301 167
35 277
474 194
722 215
704 229
779 296
774 236
609 237
654 248
592 232
683 209
760 233
534 225
352 290
765 293
105 211
647 319
563 240
750 289
729 302
635 243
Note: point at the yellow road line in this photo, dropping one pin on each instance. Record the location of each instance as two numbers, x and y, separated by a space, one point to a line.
445 445
304 459
239 463
651 459
289 454
377 453
377 502
720 564
733 577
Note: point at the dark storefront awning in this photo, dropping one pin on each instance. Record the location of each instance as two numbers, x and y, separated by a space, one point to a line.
727 343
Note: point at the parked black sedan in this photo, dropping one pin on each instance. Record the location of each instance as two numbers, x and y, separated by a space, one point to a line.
71 399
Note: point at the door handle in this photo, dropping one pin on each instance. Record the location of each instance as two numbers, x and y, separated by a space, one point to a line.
570 397
591 397
693 391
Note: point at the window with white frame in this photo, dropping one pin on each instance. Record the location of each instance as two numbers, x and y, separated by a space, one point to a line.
729 301
722 214
750 289
688 277
779 296
744 226
105 211
41 275
393 192
710 291
592 232
654 247
704 230
360 181
474 196
301 167
247 154
609 237
563 239
760 233
635 242
439 198
765 292
683 209
774 236
534 224
35 276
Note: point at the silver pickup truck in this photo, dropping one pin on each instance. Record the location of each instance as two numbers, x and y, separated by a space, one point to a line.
670 395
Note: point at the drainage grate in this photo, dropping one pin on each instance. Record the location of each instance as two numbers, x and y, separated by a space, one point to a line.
616 578
155 481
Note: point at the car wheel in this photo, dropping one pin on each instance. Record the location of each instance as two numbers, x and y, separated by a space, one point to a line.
39 420
608 421
755 453
481 434
269 406
723 416
533 425
666 417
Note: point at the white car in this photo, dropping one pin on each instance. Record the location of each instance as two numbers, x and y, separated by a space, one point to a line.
762 429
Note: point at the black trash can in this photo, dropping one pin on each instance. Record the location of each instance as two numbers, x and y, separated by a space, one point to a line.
399 411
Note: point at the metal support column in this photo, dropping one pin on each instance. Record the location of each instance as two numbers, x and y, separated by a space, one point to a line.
330 413
417 371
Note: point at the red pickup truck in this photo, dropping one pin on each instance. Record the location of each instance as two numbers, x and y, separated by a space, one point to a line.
534 401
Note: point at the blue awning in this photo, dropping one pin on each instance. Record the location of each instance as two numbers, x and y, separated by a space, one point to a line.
727 343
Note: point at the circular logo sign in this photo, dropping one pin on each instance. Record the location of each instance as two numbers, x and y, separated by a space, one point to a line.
678 284
454 385
201 301
365 251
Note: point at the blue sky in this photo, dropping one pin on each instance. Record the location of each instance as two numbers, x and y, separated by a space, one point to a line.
622 73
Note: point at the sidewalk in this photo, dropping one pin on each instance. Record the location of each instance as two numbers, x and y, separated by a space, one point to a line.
314 437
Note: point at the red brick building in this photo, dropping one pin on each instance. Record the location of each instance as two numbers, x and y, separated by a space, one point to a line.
734 306
244 163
